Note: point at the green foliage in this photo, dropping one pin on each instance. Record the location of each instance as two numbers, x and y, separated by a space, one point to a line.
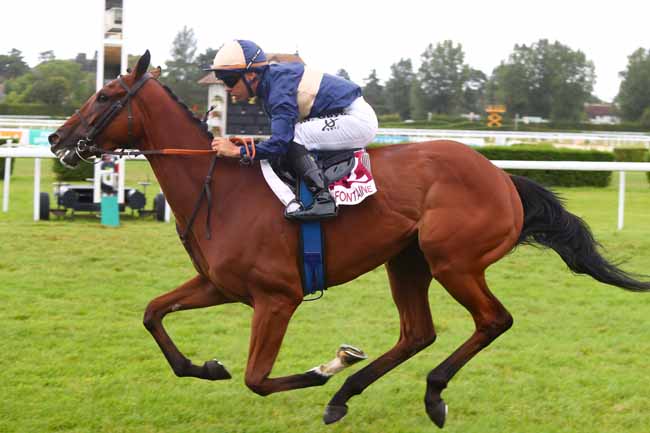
645 118
442 75
625 154
55 82
416 101
12 65
634 93
82 172
647 159
38 109
343 74
563 178
398 91
182 73
391 117
543 79
373 92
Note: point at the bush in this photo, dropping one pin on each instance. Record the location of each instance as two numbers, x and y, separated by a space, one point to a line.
81 173
28 109
623 154
393 117
645 118
553 177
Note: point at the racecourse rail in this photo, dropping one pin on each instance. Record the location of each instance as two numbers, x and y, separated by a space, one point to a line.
38 152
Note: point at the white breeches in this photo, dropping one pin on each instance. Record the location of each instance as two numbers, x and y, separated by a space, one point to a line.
355 128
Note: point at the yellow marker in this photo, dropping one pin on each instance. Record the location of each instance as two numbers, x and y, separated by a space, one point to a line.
494 115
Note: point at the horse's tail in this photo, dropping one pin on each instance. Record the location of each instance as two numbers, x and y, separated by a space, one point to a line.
548 223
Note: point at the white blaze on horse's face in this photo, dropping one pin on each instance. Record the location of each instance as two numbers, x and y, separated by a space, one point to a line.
345 357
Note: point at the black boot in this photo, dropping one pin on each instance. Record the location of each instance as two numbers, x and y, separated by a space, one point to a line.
306 168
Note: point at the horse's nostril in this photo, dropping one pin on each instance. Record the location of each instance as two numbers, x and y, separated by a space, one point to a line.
54 139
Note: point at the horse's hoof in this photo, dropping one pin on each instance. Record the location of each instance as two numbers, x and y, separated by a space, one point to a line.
214 370
437 412
334 413
350 355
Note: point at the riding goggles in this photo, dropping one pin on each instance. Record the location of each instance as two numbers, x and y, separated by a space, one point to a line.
229 78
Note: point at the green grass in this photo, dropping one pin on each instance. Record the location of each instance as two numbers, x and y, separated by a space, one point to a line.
76 357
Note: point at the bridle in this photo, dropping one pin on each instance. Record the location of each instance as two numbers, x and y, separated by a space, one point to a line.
94 128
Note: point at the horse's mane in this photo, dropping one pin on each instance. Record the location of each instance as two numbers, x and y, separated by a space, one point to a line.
201 125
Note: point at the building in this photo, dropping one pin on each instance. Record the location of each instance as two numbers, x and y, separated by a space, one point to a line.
602 114
239 117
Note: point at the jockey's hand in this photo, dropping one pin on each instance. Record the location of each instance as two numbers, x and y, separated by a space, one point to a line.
225 148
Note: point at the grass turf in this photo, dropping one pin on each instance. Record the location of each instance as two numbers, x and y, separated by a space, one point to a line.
76 357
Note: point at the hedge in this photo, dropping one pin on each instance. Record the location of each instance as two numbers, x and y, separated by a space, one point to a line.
630 154
82 172
565 178
37 110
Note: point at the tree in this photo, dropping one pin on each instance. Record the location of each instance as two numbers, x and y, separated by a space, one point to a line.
416 101
205 59
57 82
373 92
545 79
12 65
442 76
634 92
46 56
182 73
473 97
398 88
343 74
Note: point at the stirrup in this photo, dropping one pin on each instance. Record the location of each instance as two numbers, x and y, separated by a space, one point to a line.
295 201
313 213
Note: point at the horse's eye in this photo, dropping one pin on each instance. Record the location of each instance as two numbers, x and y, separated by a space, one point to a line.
102 98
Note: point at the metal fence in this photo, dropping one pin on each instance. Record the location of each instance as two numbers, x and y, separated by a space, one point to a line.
38 152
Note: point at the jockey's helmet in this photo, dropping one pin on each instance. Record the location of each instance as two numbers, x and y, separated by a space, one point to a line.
235 58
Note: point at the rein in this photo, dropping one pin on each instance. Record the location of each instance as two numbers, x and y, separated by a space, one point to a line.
86 144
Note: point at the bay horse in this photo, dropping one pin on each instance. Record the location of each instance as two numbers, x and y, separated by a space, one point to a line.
442 211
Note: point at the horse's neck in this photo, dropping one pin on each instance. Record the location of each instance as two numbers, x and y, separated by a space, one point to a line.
180 177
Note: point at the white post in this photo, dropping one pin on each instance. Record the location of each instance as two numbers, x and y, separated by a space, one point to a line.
168 211
121 175
621 199
125 55
99 79
37 188
5 191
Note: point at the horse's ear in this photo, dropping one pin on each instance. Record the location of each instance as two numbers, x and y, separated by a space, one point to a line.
155 72
143 65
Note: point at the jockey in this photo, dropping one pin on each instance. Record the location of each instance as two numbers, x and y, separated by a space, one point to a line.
309 110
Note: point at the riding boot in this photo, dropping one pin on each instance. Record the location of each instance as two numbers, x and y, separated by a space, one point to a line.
305 167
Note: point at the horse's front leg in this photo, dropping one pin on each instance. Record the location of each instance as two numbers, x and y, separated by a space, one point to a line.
198 292
270 320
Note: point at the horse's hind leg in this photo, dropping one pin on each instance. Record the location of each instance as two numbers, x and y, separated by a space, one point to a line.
195 293
409 277
491 320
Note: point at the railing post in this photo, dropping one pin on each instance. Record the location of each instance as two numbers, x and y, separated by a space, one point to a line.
621 199
37 189
5 191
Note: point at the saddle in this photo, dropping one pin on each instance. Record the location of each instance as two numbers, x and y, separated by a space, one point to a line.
335 165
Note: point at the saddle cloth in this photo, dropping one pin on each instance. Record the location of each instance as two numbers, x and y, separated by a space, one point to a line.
347 173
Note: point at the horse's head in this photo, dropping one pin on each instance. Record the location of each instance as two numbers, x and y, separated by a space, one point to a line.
106 121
